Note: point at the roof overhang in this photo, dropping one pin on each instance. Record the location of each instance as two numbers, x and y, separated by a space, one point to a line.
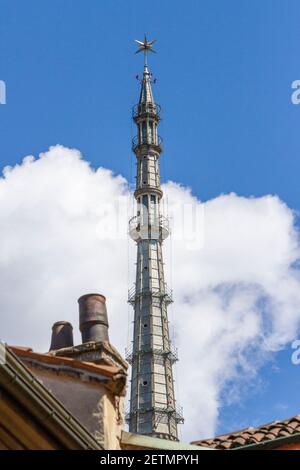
27 399
130 441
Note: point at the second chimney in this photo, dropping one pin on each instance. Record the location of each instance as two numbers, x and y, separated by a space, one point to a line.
62 335
93 322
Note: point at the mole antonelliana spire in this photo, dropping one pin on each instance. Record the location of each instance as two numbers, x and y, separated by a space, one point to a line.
152 404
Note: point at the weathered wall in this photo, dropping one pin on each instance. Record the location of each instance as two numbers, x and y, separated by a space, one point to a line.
294 446
89 401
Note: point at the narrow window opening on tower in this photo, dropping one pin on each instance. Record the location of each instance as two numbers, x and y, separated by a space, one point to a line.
151 132
155 134
144 132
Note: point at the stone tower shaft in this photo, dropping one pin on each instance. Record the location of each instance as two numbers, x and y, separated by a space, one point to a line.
152 404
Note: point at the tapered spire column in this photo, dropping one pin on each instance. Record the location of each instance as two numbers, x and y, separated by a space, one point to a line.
152 404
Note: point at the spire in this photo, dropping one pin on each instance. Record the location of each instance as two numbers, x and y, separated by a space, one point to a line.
153 409
146 95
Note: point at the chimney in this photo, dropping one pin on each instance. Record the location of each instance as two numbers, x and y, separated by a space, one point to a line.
62 335
93 322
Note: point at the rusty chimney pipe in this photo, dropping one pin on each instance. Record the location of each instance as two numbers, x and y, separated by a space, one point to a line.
62 335
93 322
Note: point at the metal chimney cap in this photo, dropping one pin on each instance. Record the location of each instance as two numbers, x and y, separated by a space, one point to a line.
92 295
62 322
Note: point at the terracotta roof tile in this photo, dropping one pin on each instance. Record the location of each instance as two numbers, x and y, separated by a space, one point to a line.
226 445
269 436
259 436
294 424
239 441
283 432
266 432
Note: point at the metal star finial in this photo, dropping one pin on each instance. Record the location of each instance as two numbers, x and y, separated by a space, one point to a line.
145 47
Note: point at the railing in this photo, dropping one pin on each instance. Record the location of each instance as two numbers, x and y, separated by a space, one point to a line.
155 142
165 294
127 413
171 353
157 228
159 412
129 354
146 108
131 294
179 414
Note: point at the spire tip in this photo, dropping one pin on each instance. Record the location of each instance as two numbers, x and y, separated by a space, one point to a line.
145 47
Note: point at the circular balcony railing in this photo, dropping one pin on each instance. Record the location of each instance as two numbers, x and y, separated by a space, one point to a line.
155 142
171 353
163 293
156 228
146 109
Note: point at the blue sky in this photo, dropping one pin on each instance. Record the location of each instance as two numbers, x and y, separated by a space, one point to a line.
224 71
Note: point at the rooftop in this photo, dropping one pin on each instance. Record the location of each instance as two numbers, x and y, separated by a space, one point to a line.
268 435
32 418
112 376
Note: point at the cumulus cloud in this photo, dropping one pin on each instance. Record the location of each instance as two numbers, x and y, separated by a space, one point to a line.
236 285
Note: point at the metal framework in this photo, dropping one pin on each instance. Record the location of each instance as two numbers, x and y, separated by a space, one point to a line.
152 404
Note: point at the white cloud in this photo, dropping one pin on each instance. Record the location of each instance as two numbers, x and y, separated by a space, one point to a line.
236 299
